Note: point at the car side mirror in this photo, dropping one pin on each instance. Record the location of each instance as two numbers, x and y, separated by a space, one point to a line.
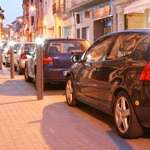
76 58
31 53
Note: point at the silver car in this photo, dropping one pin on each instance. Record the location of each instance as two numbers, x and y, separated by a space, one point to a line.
23 54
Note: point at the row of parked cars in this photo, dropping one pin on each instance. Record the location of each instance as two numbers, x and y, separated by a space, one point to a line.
22 51
111 75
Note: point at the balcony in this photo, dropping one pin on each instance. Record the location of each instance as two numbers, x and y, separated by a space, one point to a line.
58 8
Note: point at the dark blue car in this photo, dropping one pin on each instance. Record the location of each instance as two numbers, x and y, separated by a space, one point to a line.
57 59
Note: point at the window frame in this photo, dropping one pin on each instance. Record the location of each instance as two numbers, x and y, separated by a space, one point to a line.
98 42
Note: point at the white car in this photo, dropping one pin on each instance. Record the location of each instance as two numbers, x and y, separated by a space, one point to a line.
23 54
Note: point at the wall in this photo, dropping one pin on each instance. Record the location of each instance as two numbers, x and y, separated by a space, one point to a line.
135 21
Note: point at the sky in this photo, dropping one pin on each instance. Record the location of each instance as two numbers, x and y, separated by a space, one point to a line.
13 9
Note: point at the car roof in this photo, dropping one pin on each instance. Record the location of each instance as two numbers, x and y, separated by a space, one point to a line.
144 31
65 39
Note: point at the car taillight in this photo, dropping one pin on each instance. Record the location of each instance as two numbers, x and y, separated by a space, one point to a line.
145 75
48 60
23 56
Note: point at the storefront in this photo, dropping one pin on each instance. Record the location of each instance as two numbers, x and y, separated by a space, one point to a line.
137 15
92 20
102 21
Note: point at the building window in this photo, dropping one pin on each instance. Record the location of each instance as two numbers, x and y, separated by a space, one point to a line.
85 33
87 14
78 18
78 33
32 20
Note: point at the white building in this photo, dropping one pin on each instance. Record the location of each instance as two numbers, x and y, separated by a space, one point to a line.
92 18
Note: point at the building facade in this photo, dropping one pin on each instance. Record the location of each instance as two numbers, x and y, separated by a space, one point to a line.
48 19
138 14
62 18
33 18
92 18
1 22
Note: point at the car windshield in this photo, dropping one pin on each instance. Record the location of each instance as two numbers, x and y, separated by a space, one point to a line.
68 46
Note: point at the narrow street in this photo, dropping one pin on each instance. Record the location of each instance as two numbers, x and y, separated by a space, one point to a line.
28 124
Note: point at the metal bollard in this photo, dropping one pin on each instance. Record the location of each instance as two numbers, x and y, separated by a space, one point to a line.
12 67
39 73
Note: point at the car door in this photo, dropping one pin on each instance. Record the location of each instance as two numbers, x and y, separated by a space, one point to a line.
32 63
107 72
88 78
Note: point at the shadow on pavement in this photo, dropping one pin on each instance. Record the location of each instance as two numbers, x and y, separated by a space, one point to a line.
62 128
16 102
17 88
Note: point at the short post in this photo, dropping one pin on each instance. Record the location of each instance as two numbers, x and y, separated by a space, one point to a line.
12 67
0 59
39 72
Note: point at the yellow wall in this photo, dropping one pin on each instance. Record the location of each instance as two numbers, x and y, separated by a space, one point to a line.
135 21
147 18
58 23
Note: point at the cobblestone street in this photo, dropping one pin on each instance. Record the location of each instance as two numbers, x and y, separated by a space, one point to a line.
28 124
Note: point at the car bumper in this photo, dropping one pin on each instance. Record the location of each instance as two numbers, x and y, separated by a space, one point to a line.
143 114
55 75
22 64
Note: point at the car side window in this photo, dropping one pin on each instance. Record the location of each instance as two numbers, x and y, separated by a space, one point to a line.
142 50
99 51
124 45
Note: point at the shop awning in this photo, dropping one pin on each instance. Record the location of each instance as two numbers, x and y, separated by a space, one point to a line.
137 7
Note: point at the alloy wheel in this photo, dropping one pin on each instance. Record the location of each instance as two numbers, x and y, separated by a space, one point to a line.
69 91
26 73
122 114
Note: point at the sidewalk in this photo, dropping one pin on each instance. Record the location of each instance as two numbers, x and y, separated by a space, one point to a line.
49 124
21 114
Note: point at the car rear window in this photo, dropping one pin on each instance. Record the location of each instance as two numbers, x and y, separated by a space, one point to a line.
142 50
55 47
28 48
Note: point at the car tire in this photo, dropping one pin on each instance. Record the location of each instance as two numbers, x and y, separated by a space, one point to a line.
7 64
26 75
70 92
20 70
125 118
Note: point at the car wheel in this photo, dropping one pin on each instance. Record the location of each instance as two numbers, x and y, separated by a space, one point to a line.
7 64
20 70
125 118
70 93
26 75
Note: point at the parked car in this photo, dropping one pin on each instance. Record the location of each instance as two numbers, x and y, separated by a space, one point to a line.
16 49
24 52
113 76
6 54
57 59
